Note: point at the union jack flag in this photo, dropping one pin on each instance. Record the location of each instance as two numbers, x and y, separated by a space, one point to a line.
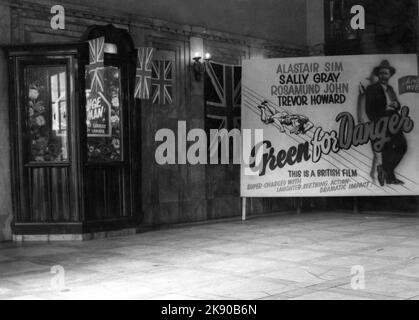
162 82
222 96
143 74
96 66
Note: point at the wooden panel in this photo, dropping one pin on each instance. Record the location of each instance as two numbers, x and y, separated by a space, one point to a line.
95 193
106 195
40 195
60 195
114 190
49 193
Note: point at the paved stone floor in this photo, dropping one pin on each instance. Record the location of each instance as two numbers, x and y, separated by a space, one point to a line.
307 256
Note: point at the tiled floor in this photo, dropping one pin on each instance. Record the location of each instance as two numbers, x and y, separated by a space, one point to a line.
307 256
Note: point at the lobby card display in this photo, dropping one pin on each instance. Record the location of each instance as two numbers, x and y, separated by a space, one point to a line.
332 126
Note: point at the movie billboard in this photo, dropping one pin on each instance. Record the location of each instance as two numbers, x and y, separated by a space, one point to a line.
332 126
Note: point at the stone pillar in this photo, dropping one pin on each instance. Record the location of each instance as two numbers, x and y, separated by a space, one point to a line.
6 212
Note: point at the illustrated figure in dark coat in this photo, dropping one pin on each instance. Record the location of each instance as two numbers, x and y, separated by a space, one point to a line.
381 101
363 118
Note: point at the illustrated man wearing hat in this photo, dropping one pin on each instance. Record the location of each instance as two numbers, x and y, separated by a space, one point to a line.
381 101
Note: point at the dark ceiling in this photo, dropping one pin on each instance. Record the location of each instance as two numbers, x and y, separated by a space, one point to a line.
267 19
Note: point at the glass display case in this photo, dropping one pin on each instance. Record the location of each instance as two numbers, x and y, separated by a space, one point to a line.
74 132
103 118
46 113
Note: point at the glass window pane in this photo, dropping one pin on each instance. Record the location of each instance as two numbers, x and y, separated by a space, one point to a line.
46 109
103 116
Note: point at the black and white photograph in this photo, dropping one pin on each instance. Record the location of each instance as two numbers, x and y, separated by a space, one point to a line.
209 155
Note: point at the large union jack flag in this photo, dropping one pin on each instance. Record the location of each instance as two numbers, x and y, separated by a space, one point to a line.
162 82
96 65
143 73
222 96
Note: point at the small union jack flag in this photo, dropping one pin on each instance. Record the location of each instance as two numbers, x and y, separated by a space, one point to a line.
161 82
143 73
96 65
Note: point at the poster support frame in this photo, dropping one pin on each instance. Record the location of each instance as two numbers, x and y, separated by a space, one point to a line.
244 212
